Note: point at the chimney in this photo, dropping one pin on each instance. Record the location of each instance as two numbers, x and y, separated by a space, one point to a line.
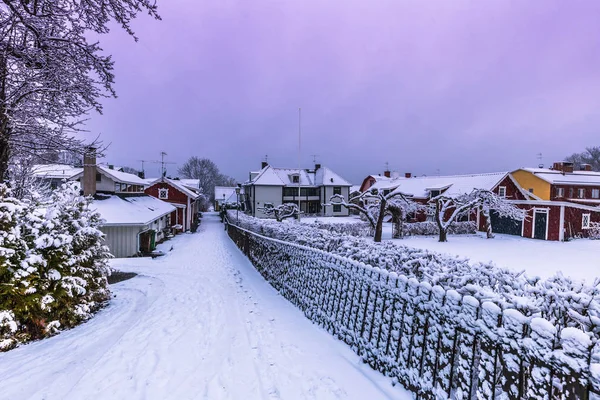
89 172
585 167
407 175
141 174
563 166
317 166
263 164
387 173
110 166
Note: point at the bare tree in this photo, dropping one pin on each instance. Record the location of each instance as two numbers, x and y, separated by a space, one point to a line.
282 211
51 74
399 209
373 204
591 156
207 172
23 182
448 209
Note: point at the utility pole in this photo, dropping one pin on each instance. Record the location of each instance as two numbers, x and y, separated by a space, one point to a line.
299 147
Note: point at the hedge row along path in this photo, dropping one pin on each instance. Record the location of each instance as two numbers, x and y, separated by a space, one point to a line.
198 323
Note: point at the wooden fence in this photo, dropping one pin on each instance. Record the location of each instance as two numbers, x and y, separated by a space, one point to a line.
432 341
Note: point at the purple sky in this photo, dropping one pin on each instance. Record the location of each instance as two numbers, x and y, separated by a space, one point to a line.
454 86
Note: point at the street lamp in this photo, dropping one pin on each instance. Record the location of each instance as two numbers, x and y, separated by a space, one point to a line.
237 212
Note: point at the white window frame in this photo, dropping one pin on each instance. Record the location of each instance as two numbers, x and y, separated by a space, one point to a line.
595 193
560 192
586 221
163 193
581 193
502 191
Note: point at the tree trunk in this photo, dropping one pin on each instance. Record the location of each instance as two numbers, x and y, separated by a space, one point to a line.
4 154
488 224
379 226
438 218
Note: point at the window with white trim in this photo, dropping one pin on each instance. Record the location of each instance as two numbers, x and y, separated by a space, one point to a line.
163 193
580 193
560 192
595 193
585 221
337 208
502 191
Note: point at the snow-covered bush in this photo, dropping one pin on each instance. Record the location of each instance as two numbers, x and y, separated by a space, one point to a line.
436 324
53 264
430 228
360 229
594 231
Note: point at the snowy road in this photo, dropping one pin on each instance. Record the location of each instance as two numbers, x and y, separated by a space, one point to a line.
199 323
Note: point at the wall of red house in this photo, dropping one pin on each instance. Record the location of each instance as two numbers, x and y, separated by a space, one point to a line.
174 195
512 191
575 195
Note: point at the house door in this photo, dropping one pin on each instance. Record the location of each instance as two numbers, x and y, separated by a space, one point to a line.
539 224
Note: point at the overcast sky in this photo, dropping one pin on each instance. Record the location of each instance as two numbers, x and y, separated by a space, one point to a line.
428 86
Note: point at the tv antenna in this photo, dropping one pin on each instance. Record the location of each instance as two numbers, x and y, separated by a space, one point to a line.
540 158
162 163
314 156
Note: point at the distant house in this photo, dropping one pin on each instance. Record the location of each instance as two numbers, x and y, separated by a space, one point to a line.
185 199
548 217
226 195
310 187
55 174
134 221
561 182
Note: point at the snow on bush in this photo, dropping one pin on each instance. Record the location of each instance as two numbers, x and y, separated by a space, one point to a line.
427 228
594 231
436 324
53 264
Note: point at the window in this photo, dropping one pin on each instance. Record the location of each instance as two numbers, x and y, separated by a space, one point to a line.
163 193
337 190
502 191
581 193
98 177
295 178
595 193
560 192
290 191
308 192
570 193
337 208
585 221
434 193
530 190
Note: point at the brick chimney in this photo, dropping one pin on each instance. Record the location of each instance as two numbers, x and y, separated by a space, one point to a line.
387 173
89 172
585 167
407 175
317 166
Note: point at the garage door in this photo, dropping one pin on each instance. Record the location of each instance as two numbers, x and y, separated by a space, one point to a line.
506 225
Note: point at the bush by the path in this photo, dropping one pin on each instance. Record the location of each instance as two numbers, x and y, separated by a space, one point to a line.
53 265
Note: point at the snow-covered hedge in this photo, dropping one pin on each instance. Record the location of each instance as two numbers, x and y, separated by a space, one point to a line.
53 265
360 229
594 231
436 324
431 228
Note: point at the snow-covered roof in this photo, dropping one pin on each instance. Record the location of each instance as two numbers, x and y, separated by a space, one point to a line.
224 192
117 176
179 186
420 187
190 183
271 176
55 171
554 177
135 210
122 177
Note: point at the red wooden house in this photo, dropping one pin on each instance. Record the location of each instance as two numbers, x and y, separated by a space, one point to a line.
185 200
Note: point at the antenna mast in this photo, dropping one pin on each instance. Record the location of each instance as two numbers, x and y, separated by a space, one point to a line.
299 147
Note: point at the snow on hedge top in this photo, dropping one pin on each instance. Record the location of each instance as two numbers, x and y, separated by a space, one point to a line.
421 187
138 210
55 171
557 177
271 176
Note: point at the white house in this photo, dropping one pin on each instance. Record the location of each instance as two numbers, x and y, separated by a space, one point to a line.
312 188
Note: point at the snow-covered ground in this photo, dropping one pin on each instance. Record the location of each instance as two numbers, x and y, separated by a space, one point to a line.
577 259
198 323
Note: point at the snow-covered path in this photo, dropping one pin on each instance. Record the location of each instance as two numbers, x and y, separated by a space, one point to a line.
199 323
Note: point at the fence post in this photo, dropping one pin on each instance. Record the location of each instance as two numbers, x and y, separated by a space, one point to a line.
512 359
